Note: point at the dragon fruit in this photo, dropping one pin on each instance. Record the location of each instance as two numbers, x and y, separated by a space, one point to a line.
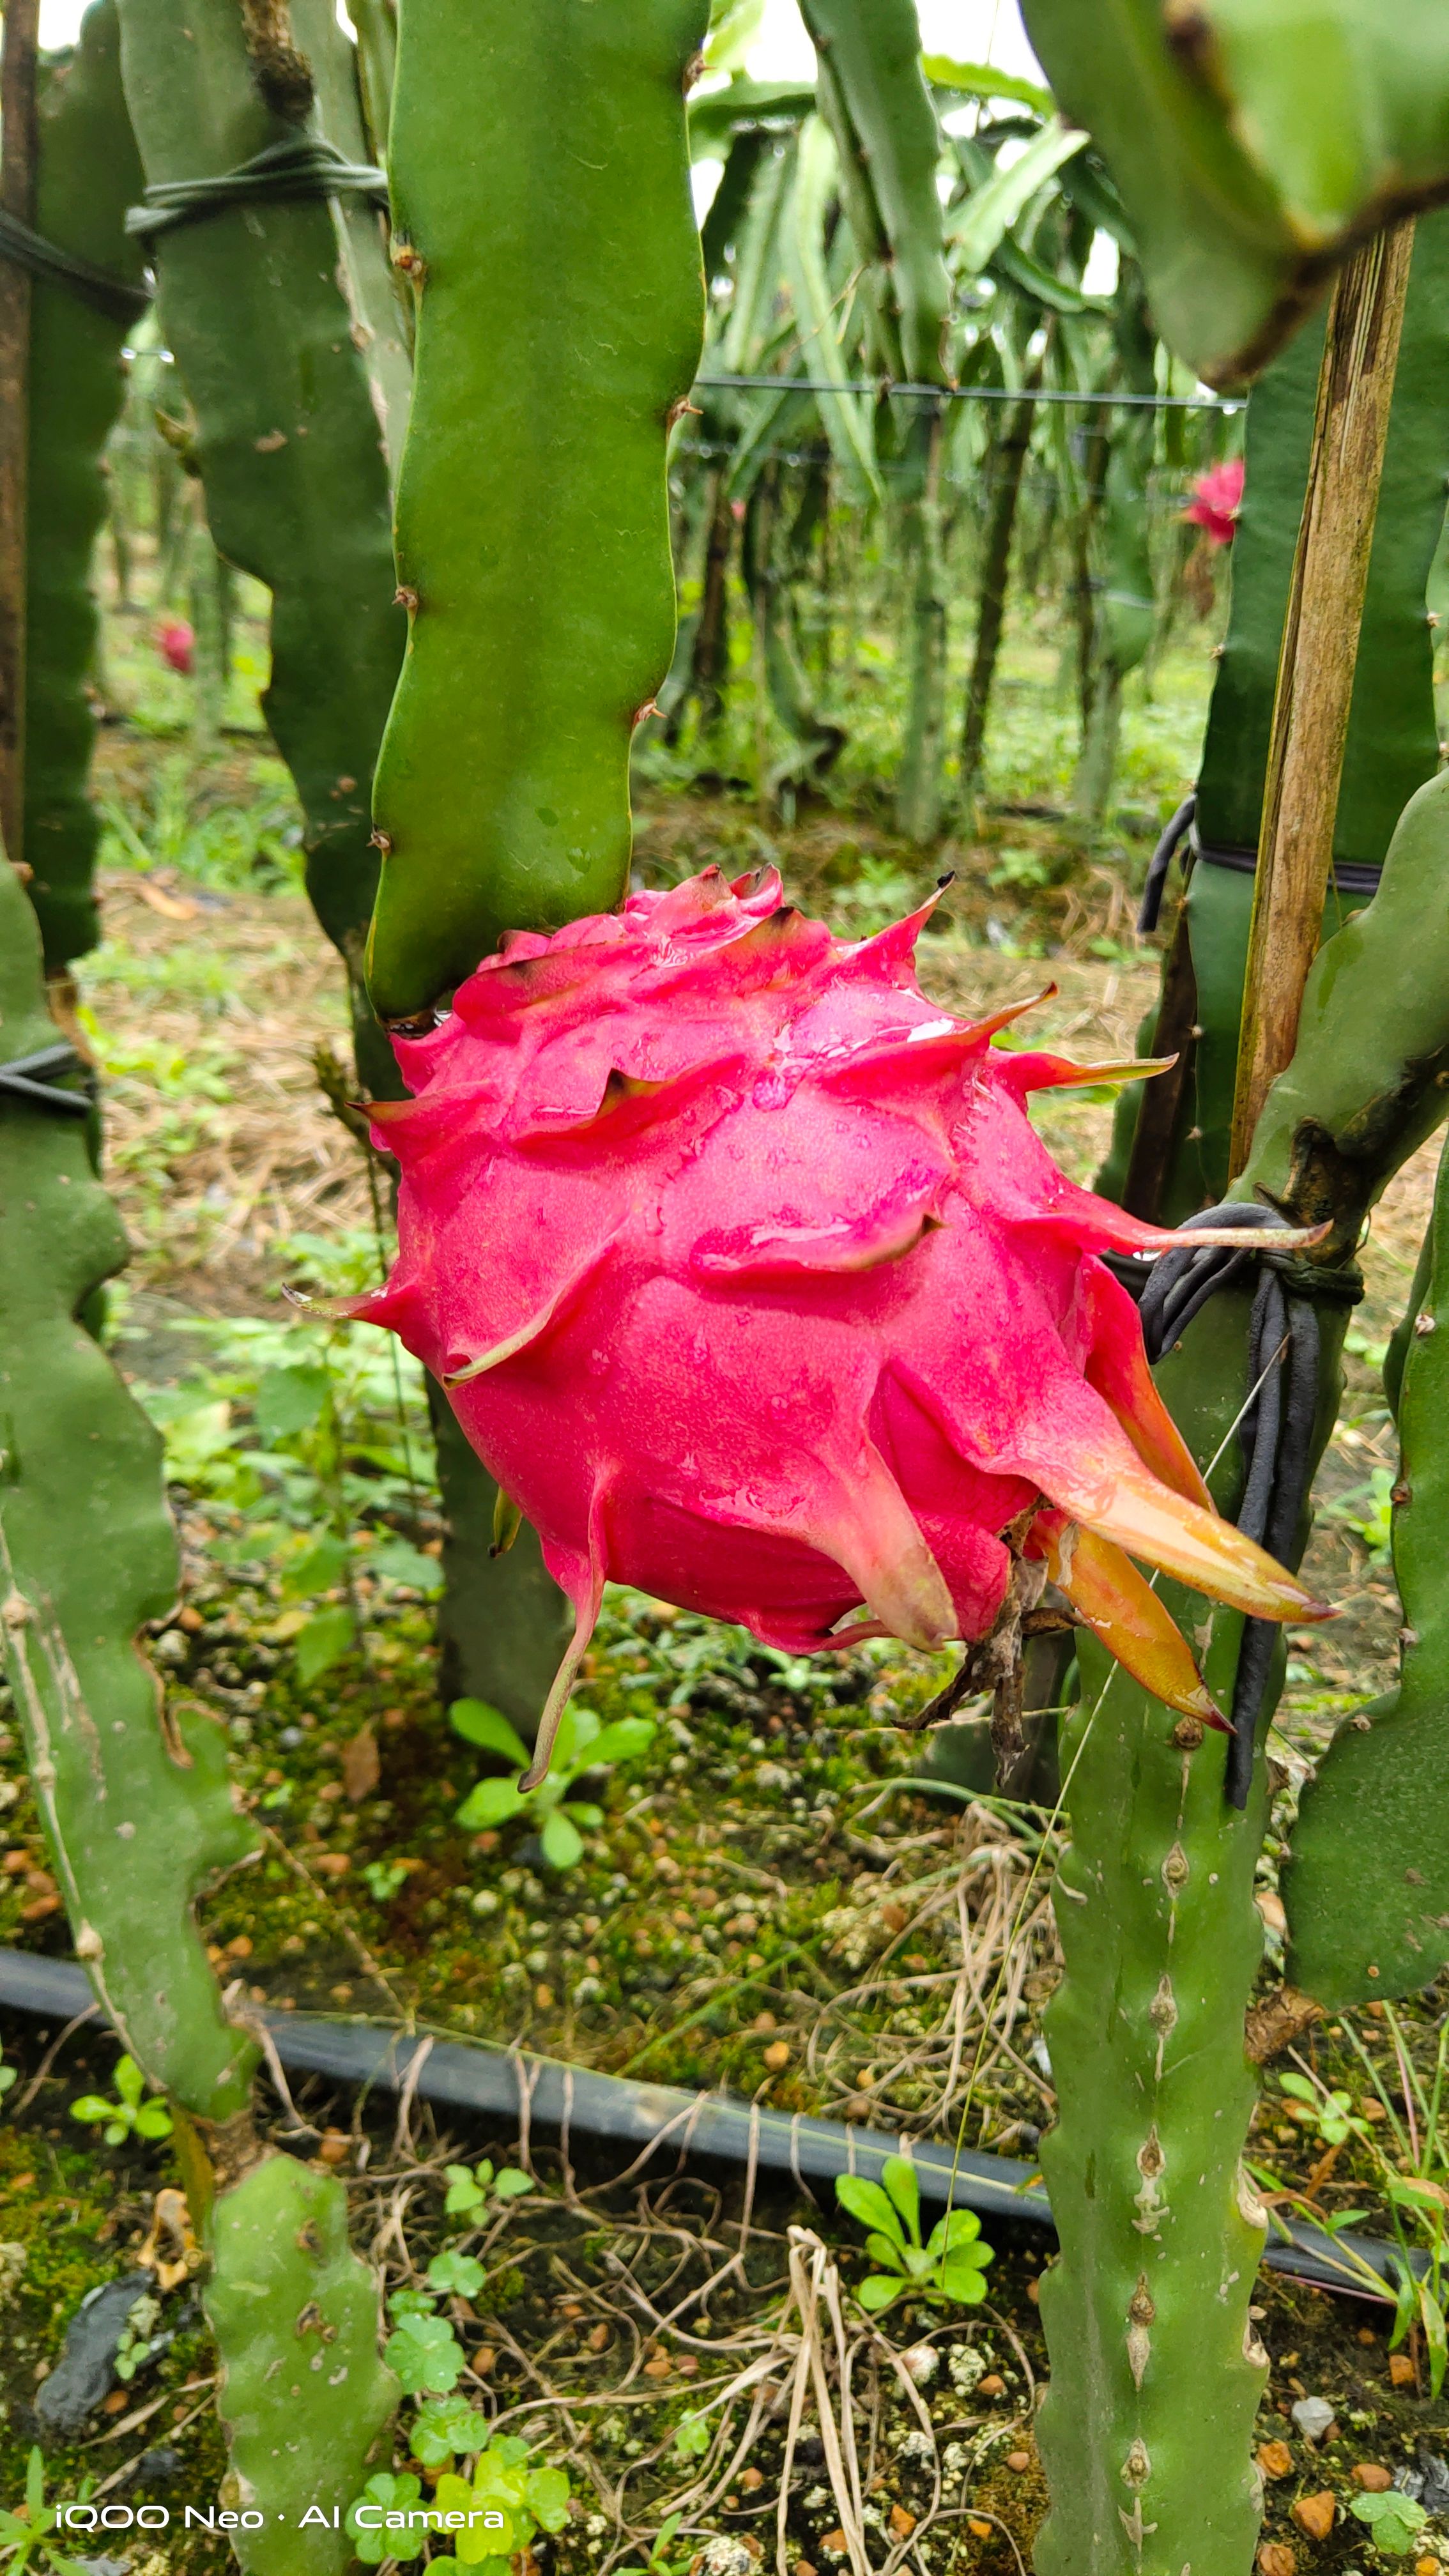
753 1286
1217 497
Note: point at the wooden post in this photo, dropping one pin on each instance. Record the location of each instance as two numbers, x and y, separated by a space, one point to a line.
1316 665
17 196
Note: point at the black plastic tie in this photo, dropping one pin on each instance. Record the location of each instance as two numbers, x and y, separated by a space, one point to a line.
305 166
51 266
36 1080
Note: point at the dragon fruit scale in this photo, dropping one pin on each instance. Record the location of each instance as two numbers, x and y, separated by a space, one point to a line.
753 1286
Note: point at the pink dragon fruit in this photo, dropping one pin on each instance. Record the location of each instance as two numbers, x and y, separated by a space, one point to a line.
176 645
1217 497
752 1285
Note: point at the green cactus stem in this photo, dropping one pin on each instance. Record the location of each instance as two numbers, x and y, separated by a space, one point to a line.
286 337
1156 2371
88 175
559 321
1253 148
876 103
135 1803
1392 743
1368 1887
285 325
303 2394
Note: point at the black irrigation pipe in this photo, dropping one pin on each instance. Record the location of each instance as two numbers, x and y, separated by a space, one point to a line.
507 2084
970 393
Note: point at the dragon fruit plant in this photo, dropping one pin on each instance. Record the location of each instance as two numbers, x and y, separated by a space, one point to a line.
753 1286
751 1282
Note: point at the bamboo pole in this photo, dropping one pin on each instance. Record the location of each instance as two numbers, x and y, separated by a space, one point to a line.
1317 662
18 146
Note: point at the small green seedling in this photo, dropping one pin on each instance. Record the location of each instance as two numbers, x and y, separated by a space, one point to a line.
518 2501
583 1745
1328 2115
472 2187
946 2270
25 2537
136 2345
384 1878
526 2500
132 2115
8 2074
422 2348
658 2561
1394 2520
446 2429
393 2498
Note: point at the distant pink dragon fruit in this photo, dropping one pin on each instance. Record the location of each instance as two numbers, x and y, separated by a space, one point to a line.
176 644
753 1287
1217 497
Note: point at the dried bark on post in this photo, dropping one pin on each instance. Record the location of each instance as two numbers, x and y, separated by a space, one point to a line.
17 199
1316 666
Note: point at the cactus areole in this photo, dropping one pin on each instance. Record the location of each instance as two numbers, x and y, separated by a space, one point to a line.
753 1286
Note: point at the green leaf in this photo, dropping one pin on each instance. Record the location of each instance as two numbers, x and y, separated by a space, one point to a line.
623 1741
323 1642
691 2440
959 2227
1394 2520
289 1400
548 2497
876 2294
1298 2086
887 2250
985 80
425 2354
962 2284
323 1566
153 2120
867 2204
91 2106
976 226
130 2082
510 2184
463 2191
899 2176
561 1843
462 2274
491 1802
479 1723
444 2428
396 1560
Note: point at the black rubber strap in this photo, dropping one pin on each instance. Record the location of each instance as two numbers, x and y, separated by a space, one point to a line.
1161 860
53 266
1276 1431
304 167
35 1078
1351 876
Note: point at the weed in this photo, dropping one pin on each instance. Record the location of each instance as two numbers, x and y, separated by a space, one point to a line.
583 1746
130 2114
947 2270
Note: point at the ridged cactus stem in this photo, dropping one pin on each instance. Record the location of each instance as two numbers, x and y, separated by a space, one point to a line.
560 307
1156 2370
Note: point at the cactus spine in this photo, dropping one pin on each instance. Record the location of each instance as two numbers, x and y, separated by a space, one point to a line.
88 175
559 320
